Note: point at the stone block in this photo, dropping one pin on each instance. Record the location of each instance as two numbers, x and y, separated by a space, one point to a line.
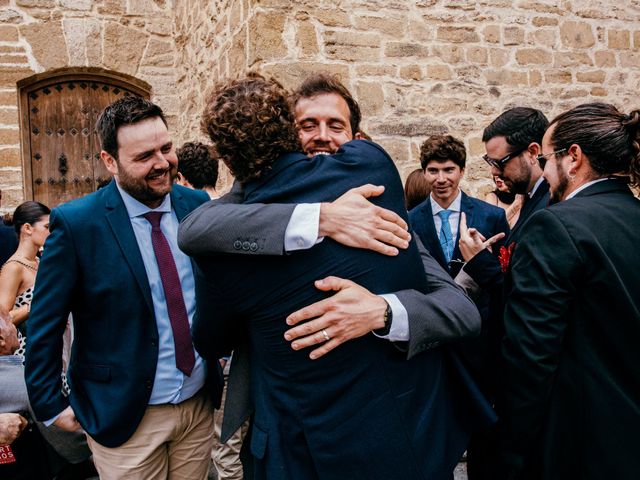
420 31
533 56
306 39
593 76
160 26
491 33
113 7
10 75
619 39
545 37
9 117
36 3
506 77
449 53
411 72
331 17
398 150
498 57
605 58
636 40
535 78
407 127
571 59
76 4
629 59
8 98
13 196
9 136
439 72
405 49
237 56
544 21
477 55
375 70
599 92
458 34
148 8
512 36
291 75
557 76
9 15
47 43
10 157
123 47
387 24
370 97
159 53
577 35
8 33
14 59
266 40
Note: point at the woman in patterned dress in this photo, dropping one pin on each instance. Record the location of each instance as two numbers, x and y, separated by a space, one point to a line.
18 274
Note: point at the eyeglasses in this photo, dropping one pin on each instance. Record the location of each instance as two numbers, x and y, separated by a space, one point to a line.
499 164
544 156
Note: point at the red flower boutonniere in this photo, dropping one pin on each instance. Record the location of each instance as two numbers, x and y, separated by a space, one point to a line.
505 256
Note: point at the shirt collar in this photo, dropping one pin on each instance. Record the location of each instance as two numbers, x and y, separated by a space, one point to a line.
582 187
11 359
136 209
454 207
535 187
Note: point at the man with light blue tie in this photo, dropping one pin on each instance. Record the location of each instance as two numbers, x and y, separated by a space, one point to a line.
437 221
137 384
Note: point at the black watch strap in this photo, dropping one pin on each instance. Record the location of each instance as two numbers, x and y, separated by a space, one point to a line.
388 318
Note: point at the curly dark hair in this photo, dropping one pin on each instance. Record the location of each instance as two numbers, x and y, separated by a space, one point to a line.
324 83
609 138
442 148
250 124
127 110
197 163
520 126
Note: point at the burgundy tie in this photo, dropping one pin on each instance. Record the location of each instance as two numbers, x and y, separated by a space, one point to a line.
185 358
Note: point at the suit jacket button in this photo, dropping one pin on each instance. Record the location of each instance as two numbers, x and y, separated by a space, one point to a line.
153 343
253 247
149 384
246 245
237 245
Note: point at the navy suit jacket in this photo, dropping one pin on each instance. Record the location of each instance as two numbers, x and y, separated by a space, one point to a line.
478 354
92 267
8 242
363 410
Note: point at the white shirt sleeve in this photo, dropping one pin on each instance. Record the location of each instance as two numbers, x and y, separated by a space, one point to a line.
302 229
51 421
399 331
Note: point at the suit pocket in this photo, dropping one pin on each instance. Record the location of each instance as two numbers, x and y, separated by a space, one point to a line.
258 442
91 371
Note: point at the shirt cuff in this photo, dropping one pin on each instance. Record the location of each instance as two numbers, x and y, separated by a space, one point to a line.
399 331
48 423
302 229
468 284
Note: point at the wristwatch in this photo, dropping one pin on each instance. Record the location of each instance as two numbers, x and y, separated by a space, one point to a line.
388 318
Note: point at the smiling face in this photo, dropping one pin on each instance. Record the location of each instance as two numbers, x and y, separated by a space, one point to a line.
323 123
444 180
147 163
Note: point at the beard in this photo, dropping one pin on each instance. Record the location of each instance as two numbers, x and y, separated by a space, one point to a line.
557 193
140 189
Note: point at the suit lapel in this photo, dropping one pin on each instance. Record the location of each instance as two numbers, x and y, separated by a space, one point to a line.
120 224
534 204
177 204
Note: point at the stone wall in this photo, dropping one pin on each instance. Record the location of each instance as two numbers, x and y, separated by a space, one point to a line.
421 67
133 37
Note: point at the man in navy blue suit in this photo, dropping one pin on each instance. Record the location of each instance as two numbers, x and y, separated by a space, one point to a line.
364 411
440 221
137 385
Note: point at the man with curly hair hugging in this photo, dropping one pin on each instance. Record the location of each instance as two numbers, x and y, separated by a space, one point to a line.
365 411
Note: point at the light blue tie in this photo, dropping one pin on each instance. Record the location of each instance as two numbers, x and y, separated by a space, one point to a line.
446 238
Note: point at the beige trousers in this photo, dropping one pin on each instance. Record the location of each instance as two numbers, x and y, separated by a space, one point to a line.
172 442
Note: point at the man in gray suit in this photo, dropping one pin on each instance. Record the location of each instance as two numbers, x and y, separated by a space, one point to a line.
327 116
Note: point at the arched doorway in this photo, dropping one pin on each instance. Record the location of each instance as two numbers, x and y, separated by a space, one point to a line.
60 146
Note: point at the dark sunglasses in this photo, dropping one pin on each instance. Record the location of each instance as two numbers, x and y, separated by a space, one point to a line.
499 164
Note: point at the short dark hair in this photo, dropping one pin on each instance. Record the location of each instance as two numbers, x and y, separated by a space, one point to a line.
609 138
442 148
127 110
323 83
520 126
250 123
198 164
28 212
416 189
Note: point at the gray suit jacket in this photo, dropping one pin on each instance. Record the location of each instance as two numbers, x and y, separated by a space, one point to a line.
225 226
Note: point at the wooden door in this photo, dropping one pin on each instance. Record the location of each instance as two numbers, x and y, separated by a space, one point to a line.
61 148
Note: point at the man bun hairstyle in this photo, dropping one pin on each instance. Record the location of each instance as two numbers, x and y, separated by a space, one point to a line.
250 123
127 110
324 83
609 138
